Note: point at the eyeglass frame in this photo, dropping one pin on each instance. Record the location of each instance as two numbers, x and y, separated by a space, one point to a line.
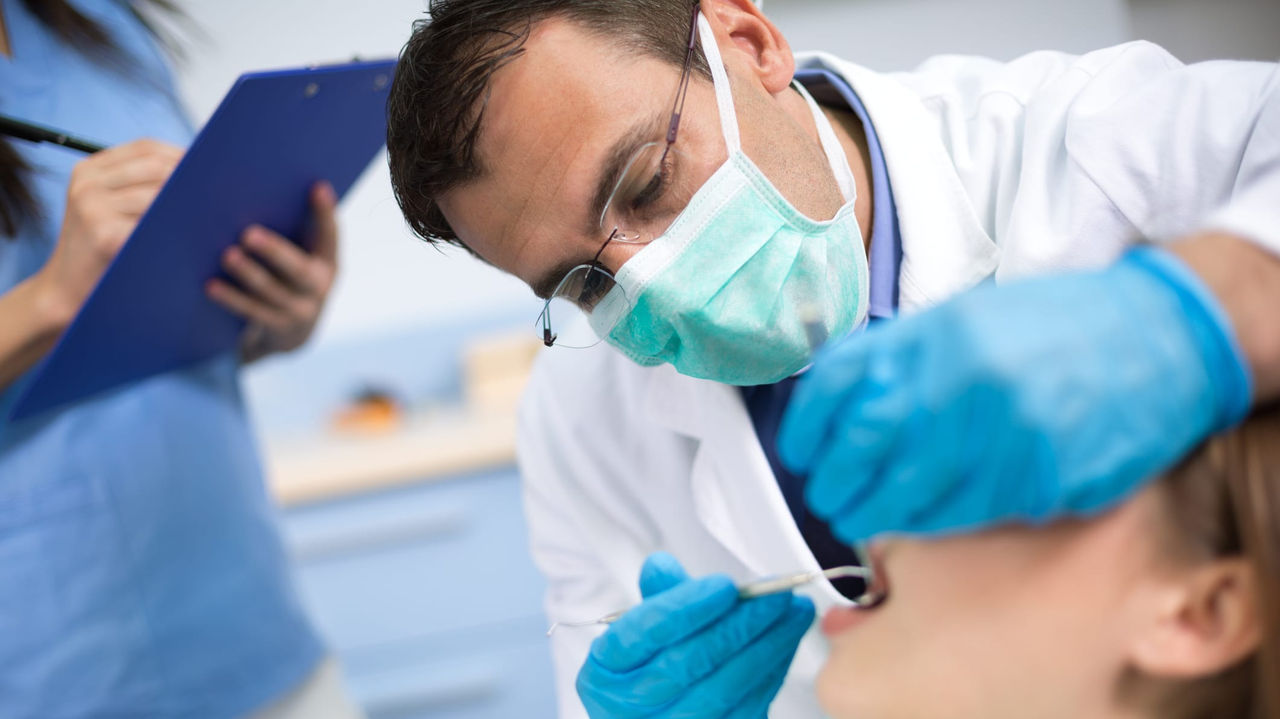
673 128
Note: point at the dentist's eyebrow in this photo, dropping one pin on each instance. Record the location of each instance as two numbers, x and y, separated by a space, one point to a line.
644 131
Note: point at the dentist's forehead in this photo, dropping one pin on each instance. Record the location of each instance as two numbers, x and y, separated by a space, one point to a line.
551 117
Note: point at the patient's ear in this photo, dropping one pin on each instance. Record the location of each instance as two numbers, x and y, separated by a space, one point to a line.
1206 620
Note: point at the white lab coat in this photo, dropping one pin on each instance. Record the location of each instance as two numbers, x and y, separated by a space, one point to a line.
998 170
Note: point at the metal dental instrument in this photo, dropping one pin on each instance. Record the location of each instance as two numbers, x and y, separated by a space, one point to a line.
816 335
751 590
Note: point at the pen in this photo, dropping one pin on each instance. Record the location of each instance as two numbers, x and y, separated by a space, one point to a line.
14 127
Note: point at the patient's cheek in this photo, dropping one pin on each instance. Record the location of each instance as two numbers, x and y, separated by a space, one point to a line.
837 688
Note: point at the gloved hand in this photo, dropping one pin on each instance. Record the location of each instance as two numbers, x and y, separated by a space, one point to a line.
1022 402
693 649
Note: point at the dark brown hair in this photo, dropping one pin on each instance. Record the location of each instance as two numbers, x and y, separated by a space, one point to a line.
1225 502
441 85
17 202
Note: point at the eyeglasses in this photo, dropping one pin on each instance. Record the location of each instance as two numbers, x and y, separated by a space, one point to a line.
650 193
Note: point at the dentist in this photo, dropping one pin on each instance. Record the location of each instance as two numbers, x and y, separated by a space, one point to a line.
672 174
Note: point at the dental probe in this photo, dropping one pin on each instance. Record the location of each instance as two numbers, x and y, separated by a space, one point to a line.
751 590
816 335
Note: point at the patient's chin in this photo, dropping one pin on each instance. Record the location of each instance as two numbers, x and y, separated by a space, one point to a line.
847 693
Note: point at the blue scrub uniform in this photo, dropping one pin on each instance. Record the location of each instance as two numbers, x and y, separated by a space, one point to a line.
141 574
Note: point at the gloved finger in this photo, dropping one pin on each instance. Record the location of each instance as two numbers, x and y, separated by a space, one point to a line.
660 572
684 664
908 472
889 508
668 676
846 467
663 620
756 704
1007 488
751 672
841 378
819 396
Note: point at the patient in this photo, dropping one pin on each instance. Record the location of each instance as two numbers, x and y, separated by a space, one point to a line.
1167 607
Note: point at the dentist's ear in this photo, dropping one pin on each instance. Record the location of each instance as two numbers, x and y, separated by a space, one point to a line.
759 43
1207 620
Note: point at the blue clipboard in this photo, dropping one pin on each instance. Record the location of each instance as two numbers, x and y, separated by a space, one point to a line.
273 136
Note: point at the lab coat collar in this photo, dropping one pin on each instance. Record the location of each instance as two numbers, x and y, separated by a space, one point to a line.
735 494
945 250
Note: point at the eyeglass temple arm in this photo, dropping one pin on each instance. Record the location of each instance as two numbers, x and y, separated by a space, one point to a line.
681 91
548 339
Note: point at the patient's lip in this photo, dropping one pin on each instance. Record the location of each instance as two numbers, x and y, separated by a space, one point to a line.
838 620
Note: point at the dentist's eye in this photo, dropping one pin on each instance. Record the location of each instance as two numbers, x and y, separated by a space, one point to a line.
656 186
594 287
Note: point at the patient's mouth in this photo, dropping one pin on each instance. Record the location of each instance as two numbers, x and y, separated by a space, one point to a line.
878 590
838 620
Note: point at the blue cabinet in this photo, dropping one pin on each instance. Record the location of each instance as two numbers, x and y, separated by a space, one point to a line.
429 598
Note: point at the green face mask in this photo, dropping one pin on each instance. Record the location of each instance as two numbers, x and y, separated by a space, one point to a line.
728 291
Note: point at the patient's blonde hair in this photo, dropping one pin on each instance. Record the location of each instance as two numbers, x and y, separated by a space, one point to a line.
1225 502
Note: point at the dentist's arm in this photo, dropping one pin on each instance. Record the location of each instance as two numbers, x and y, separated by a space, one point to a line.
1061 395
1244 277
1049 397
1018 403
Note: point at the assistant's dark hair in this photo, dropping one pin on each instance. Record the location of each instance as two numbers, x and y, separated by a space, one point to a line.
17 202
441 86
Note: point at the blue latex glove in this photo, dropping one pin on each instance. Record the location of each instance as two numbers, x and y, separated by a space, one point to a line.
1022 402
693 649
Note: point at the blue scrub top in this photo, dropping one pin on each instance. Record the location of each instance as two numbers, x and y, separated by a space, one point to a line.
141 573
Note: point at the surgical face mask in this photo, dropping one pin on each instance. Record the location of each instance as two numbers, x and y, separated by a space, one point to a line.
727 292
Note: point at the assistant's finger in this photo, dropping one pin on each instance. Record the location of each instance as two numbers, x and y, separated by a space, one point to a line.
242 305
288 261
145 170
133 201
256 280
131 151
324 223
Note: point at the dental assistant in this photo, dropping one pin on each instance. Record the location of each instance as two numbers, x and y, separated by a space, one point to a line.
703 267
141 572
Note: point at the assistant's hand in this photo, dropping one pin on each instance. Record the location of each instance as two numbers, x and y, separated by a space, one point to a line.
282 288
693 649
106 196
1023 402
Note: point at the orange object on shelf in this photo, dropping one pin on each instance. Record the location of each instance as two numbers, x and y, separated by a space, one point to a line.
372 412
